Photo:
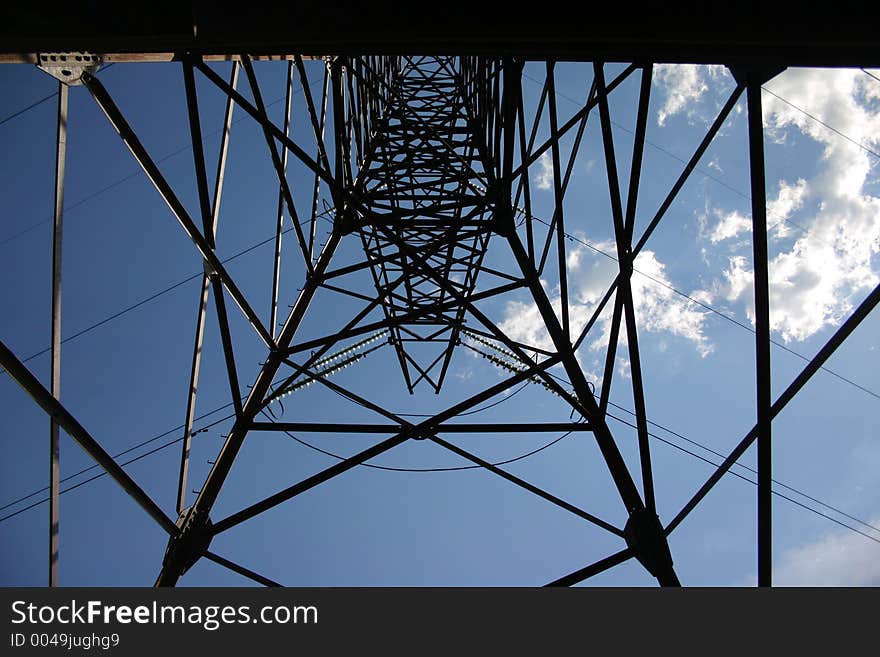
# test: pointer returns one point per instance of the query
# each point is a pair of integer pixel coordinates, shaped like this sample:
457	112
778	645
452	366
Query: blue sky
126	379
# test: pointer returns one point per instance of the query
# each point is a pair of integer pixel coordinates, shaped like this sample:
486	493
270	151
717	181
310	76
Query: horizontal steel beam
147	57
685	32
458	427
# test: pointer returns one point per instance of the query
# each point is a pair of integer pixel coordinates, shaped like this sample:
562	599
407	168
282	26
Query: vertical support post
319	137
54	452
279	227
263	118
762	326
623	230
341	167
203	305
524	179
198	515
510	105
558	192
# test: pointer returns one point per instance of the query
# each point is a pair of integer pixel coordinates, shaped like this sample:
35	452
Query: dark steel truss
426	160
421	178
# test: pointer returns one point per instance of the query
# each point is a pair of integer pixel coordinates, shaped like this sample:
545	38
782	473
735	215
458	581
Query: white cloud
839	559
658	309
682	86
543	178
739	282
730	224
788	199
702	296
815	282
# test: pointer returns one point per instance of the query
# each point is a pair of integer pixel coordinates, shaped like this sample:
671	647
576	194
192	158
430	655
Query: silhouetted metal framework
426	159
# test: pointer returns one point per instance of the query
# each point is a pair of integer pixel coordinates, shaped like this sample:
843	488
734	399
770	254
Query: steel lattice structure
426	159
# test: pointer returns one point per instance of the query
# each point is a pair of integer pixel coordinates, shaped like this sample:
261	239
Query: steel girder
426	163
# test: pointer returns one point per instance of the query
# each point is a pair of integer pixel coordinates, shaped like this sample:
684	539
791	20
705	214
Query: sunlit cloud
659	309
543	177
788	199
816	280
682	86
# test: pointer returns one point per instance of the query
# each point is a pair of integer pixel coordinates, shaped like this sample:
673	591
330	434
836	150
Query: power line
122	453
715	311
424	470
867	72
470	467
29	107
652	435
708	175
683	294
206	427
134	174
724	456
746	467
755	483
570	237
128	462
474	411
751	469
546	446
821	122
650	143
460	468
40	102
158	294
700	170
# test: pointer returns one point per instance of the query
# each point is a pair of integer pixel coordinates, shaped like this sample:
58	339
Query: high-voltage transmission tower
422	156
